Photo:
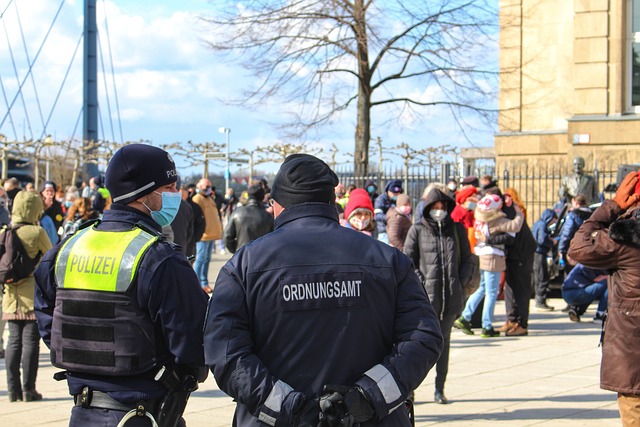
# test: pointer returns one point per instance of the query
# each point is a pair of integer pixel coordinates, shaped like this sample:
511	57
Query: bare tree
197	153
100	152
279	151
10	150
411	157
324	56
256	157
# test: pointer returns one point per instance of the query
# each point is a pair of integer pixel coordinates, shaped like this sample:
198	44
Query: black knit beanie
136	170
303	178
256	192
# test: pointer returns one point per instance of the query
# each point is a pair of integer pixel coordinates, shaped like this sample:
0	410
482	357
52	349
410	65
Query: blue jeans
585	296
489	284
203	257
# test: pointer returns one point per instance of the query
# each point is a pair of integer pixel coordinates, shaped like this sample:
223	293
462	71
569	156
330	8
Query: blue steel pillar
90	88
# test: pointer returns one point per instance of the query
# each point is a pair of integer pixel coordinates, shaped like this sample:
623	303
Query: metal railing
537	186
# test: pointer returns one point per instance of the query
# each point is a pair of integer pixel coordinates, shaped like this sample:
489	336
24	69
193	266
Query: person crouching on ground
582	286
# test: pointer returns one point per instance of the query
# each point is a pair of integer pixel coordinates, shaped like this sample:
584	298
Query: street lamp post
227	172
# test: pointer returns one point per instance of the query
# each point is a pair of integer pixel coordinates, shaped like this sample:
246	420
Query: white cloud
169	85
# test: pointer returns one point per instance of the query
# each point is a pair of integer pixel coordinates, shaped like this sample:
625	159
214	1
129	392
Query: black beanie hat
303	178
256	192
136	170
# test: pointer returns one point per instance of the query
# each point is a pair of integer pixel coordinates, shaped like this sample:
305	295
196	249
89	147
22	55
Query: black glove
297	410
334	412
309	414
348	403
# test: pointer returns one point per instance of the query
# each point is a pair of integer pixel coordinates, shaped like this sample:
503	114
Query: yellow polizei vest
101	260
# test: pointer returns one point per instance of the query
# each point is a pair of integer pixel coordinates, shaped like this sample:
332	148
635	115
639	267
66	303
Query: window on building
633	55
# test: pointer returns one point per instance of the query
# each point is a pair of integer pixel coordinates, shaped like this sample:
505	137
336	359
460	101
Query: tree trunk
363	125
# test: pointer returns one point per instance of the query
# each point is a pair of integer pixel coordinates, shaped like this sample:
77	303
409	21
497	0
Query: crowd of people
466	245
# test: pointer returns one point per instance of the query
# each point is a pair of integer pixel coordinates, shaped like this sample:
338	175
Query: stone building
570	83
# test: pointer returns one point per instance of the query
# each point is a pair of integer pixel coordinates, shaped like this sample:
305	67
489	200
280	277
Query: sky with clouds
170	86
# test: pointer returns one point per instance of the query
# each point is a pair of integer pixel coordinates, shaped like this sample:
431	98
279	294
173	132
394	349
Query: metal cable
75	128
33	80
5	9
113	76
106	88
6	101
4	93
101	124
31	65
15	72
55	102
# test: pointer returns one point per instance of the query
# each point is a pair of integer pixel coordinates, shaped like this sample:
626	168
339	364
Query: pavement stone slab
549	378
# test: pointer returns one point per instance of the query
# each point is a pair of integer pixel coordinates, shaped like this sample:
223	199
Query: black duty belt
97	399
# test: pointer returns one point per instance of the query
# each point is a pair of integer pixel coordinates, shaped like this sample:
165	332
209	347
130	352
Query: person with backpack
23	346
439	248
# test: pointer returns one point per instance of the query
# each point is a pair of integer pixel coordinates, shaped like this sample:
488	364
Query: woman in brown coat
610	239
399	221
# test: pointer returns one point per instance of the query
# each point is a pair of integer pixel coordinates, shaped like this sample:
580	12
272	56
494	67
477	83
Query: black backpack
15	264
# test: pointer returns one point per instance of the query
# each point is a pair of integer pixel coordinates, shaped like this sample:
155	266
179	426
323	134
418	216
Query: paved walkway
549	378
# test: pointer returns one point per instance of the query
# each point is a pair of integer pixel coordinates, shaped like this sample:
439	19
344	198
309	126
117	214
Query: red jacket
462	215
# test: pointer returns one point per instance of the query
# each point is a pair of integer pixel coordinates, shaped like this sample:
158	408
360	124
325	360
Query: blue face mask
371	189
169	210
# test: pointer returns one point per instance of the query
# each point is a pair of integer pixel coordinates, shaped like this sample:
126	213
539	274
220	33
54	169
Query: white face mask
437	214
358	223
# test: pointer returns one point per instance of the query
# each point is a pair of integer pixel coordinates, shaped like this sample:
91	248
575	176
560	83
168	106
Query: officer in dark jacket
248	222
313	304
440	249
122	310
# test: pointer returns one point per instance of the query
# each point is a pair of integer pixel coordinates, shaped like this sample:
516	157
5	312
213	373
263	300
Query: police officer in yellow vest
120	308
